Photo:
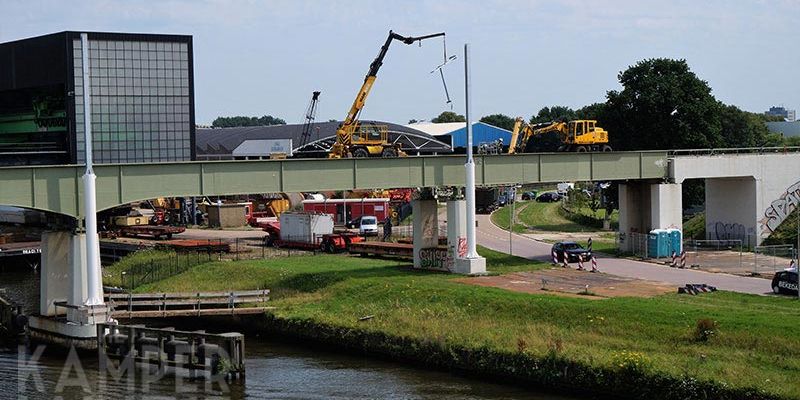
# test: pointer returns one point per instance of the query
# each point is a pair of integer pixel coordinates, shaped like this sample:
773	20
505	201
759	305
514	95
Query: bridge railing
735	150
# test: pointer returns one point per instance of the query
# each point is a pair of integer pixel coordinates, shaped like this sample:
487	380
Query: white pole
472	251
511	224
94	295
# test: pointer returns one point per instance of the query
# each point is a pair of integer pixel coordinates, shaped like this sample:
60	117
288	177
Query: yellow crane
580	135
356	140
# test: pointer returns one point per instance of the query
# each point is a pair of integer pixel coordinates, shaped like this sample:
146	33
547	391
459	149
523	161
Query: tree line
662	105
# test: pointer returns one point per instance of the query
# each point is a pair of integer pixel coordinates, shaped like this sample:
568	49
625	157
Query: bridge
747	195
59	189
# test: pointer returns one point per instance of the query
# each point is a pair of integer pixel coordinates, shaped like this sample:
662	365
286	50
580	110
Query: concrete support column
646	206
666	206
56	283
426	234
732	210
456	229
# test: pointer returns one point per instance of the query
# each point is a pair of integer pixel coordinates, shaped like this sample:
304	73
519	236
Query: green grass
757	343
502	217
546	217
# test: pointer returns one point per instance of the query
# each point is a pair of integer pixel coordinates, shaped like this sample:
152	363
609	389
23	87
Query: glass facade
141	100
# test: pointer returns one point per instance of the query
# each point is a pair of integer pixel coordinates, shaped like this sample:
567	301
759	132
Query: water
274	370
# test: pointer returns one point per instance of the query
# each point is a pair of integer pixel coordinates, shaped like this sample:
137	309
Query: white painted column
456	229
666	206
93	271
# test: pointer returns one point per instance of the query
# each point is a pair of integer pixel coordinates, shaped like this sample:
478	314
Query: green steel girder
59	188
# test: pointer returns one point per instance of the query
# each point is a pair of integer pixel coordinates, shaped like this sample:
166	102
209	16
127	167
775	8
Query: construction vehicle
356	140
311	114
580	135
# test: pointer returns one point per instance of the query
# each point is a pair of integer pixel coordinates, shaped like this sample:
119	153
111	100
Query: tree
745	129
228	122
499	120
448	116
663	105
554	113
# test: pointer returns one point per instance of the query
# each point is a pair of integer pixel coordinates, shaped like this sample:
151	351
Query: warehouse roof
219	143
455	133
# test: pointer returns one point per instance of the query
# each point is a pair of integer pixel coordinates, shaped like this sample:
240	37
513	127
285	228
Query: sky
266	57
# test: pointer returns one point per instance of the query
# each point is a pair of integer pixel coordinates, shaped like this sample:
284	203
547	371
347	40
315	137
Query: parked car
548	197
573	250
529	195
785	282
502	200
366	224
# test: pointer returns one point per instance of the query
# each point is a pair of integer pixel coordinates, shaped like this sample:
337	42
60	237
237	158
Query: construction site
537	255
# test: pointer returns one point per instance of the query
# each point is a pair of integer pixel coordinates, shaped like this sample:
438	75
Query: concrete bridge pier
644	206
428	253
732	210
64	318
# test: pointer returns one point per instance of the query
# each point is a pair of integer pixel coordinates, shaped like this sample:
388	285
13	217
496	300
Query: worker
387	229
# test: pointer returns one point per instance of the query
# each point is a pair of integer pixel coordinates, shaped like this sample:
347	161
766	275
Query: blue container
658	243
675	240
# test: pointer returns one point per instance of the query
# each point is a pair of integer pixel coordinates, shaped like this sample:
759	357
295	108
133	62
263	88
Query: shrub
705	330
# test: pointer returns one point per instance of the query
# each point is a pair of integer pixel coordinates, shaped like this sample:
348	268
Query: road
492	237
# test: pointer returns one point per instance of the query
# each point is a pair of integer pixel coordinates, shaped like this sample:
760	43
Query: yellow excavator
356	140
580	135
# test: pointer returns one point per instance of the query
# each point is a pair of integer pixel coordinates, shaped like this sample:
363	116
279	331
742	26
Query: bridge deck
59	188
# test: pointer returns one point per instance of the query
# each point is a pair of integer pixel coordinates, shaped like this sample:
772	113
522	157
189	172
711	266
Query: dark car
548	197
573	251
529	196
785	282
502	200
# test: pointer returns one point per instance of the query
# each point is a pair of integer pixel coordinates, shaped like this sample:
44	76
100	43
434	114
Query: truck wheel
360	153
330	248
389	152
776	289
580	149
607	148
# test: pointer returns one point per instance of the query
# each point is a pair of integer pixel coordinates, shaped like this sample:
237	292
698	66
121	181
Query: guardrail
734	150
155	305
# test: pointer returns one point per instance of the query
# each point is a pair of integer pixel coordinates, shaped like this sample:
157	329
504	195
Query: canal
275	370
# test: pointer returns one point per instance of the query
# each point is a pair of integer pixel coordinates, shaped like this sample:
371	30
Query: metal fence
771	259
717	255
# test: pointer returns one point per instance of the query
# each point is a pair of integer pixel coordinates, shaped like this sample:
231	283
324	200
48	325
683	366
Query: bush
705	330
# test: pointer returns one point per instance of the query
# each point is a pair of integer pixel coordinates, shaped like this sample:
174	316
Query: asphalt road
492	237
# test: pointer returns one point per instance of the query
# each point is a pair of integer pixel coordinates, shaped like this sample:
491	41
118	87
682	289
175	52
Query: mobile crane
355	140
580	135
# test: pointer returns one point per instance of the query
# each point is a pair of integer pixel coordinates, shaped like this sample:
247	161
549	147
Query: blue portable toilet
675	240
658	243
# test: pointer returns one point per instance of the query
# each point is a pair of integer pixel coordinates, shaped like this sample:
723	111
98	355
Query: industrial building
142	91
257	142
455	133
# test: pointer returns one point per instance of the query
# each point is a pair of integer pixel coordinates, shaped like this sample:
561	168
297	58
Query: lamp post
472	251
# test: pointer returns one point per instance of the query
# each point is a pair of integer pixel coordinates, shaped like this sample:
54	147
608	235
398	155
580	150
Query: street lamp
512	198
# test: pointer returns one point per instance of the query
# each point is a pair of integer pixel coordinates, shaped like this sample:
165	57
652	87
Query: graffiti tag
777	212
435	258
733	231
462	247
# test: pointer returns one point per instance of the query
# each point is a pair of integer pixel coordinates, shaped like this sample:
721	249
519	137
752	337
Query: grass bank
623	346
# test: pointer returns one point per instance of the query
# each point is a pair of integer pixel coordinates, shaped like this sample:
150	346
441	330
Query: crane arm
361	98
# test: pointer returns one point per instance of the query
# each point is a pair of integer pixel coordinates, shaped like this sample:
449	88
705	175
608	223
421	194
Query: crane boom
344	135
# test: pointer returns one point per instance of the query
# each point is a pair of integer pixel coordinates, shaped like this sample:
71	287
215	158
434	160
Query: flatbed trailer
404	250
155	231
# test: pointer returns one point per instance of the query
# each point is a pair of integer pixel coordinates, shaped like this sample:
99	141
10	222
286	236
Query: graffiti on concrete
435	258
777	212
732	231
